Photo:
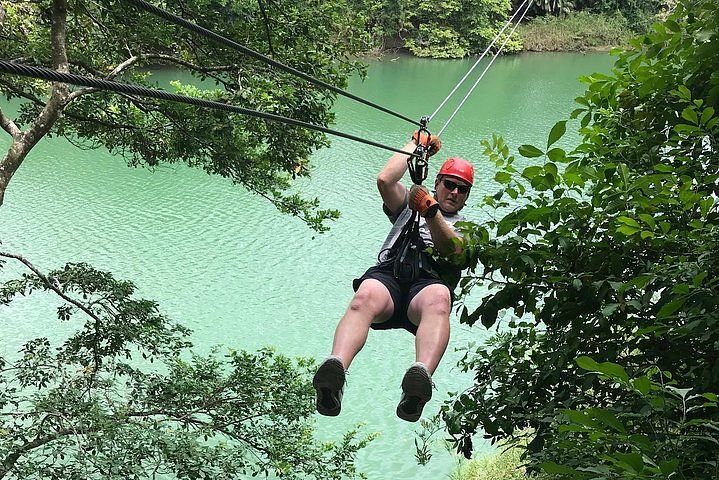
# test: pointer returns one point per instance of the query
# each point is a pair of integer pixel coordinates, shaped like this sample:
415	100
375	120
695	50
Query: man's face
451	193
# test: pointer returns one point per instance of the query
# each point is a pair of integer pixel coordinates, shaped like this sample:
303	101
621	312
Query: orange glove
420	200
432	141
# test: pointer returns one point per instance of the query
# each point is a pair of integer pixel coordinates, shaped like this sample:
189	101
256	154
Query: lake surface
228	265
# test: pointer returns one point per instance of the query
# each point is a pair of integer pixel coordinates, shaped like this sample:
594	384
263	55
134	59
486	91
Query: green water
226	264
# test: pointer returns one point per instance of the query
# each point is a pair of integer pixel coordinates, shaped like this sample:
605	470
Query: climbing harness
407	252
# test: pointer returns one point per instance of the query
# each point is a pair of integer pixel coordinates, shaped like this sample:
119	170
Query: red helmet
458	167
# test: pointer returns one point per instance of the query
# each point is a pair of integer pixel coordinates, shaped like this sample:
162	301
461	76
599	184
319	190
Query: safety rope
247	51
494	57
43	73
481	57
485	71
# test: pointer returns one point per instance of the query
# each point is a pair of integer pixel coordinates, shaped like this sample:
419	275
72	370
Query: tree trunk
23	142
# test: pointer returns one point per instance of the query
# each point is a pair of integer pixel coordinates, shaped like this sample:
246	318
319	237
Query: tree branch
9	126
9	461
54	286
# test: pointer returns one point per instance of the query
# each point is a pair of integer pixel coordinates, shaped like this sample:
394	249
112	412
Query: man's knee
371	296
434	299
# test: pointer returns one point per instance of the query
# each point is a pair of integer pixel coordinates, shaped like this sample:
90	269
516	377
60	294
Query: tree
606	272
109	39
121	398
455	29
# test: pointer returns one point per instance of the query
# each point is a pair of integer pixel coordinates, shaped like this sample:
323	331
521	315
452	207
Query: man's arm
389	180
443	235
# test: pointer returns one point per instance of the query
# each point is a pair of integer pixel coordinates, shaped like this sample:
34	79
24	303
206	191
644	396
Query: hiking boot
416	392
329	382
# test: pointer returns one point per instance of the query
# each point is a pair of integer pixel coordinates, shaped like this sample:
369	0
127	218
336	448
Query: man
420	303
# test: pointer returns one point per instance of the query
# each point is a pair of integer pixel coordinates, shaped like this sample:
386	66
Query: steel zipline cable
43	73
247	51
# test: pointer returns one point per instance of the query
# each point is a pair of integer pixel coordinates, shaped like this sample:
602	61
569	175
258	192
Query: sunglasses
450	185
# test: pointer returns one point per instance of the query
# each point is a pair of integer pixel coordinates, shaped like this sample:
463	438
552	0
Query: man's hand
431	142
420	200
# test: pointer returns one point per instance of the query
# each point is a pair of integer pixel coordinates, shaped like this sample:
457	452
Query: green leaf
690	114
648	219
582	417
530	151
627	230
608	418
668	467
586	119
642	384
660	167
556	133
684	93
587	363
646	234
608	310
706	115
672	26
628	221
531	172
699	278
641	281
551	467
669	309
557	155
609	369
502	177
633	460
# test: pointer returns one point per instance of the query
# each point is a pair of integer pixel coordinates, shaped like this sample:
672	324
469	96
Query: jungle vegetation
602	283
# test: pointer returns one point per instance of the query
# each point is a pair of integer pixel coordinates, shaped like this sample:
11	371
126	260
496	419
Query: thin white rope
481	57
485	71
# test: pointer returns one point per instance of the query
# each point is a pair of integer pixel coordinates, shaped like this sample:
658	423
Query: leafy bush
662	433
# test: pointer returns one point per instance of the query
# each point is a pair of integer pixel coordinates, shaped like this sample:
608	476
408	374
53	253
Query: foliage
118	399
639	13
385	20
611	253
642	442
110	40
575	31
552	7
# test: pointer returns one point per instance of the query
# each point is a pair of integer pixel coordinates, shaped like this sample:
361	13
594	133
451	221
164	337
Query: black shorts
402	294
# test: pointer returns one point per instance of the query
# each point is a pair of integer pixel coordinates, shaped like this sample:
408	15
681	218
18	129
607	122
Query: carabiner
418	164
